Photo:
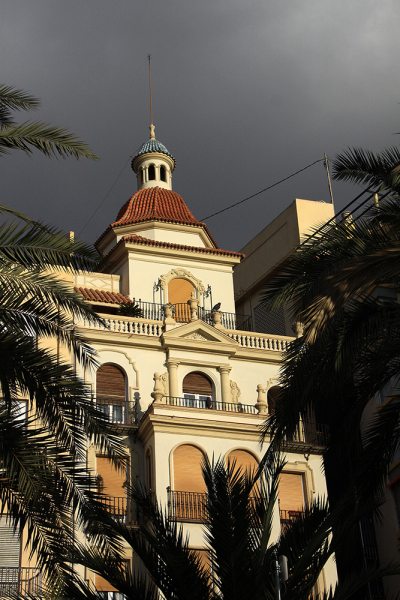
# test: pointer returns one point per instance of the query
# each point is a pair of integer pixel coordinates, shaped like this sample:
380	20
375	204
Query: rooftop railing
20	580
211	405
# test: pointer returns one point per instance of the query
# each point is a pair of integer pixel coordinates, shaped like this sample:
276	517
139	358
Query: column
225	384
172	365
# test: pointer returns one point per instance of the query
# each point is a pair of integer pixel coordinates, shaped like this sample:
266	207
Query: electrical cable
308	238
106	196
264	190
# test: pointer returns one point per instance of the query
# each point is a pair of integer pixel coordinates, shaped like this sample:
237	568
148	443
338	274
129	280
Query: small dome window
152	173
141	176
163	175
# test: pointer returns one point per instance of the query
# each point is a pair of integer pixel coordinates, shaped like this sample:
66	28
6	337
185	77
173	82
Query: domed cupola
153	164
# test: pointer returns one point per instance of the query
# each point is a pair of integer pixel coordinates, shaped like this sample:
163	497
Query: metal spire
152	128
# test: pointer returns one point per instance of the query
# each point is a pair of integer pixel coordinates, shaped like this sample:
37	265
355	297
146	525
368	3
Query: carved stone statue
235	391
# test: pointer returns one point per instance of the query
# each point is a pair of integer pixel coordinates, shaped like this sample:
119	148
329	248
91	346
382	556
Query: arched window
163	175
188	496
179	292
152	173
110	393
243	460
272	397
197	390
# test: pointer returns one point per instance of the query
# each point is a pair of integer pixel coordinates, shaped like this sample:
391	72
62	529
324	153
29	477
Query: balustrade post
169	321
193	305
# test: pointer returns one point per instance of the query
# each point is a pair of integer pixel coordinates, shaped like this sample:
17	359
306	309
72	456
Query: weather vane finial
152	128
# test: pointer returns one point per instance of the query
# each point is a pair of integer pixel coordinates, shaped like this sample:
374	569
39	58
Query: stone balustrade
261	341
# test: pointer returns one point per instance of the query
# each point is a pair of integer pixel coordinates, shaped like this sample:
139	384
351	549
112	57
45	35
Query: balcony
187	506
121	414
122	509
288	516
20	580
309	438
210	404
182	314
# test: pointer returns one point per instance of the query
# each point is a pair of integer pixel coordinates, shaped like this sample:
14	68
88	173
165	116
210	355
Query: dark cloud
245	93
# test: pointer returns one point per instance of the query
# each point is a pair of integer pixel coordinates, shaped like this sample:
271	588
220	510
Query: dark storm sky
244	94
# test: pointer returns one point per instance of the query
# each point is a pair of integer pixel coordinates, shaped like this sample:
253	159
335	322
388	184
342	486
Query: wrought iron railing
121	508
20	580
150	310
288	516
119	413
187	506
309	433
211	405
183	314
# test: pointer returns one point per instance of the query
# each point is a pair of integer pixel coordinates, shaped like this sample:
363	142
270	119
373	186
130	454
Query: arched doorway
188	496
197	390
179	292
111	394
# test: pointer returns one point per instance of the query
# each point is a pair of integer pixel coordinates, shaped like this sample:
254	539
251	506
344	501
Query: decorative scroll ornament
196	336
181	274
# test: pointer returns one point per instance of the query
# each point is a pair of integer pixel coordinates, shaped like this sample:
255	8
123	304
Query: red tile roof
138	239
94	295
156	204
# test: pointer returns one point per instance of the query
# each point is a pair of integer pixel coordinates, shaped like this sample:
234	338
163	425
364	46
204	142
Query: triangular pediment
198	331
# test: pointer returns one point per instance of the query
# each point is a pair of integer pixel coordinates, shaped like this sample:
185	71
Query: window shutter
188	475
10	544
197	383
113	479
243	459
179	291
290	491
110	385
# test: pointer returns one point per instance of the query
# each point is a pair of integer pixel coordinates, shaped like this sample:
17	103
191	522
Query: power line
264	190
106	196
369	197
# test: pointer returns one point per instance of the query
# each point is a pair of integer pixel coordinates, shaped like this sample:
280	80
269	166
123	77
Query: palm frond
51	141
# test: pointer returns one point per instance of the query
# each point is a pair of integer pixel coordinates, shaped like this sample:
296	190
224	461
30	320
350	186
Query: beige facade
168	430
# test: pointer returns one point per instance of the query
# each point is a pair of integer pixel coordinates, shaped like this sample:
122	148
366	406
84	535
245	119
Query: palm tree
52	141
238	540
42	454
343	283
43	483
